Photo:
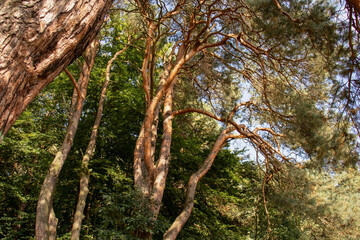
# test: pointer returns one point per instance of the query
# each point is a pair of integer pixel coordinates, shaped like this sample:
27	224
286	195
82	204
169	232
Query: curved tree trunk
38	39
44	218
85	173
180	221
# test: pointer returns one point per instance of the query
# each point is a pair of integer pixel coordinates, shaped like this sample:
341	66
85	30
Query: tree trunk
180	221
355	4
85	172
53	221
141	179
162	166
150	176
139	165
44	205
84	190
38	40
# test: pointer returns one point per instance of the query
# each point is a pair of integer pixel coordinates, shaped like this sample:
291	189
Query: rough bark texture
180	221
38	39
44	206
85	173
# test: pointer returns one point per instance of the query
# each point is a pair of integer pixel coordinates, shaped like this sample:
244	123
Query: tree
46	221
217	45
347	87
30	146
85	174
39	39
355	4
212	72
325	203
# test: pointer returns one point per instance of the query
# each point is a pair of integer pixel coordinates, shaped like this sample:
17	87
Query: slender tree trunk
85	173
84	190
180	221
38	39
162	166
44	206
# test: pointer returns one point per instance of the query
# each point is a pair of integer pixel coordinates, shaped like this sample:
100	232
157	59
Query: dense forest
189	119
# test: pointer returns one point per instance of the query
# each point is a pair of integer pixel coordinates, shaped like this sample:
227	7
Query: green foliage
324	142
124	215
324	204
26	153
313	18
224	202
229	203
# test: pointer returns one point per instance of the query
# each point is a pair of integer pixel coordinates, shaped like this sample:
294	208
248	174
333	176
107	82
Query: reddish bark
196	33
162	166
38	40
180	221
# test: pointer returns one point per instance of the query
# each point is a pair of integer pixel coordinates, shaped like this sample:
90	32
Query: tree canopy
192	119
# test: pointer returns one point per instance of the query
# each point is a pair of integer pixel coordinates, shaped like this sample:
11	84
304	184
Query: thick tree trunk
44	206
85	173
180	221
139	165
38	39
142	181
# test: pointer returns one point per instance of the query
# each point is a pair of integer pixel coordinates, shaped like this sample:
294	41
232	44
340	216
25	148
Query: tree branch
75	84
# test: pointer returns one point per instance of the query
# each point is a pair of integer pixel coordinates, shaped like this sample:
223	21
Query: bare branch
75	84
283	12
265	148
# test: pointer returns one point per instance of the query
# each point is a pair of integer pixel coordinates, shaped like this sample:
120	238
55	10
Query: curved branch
285	13
180	221
74	82
265	148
